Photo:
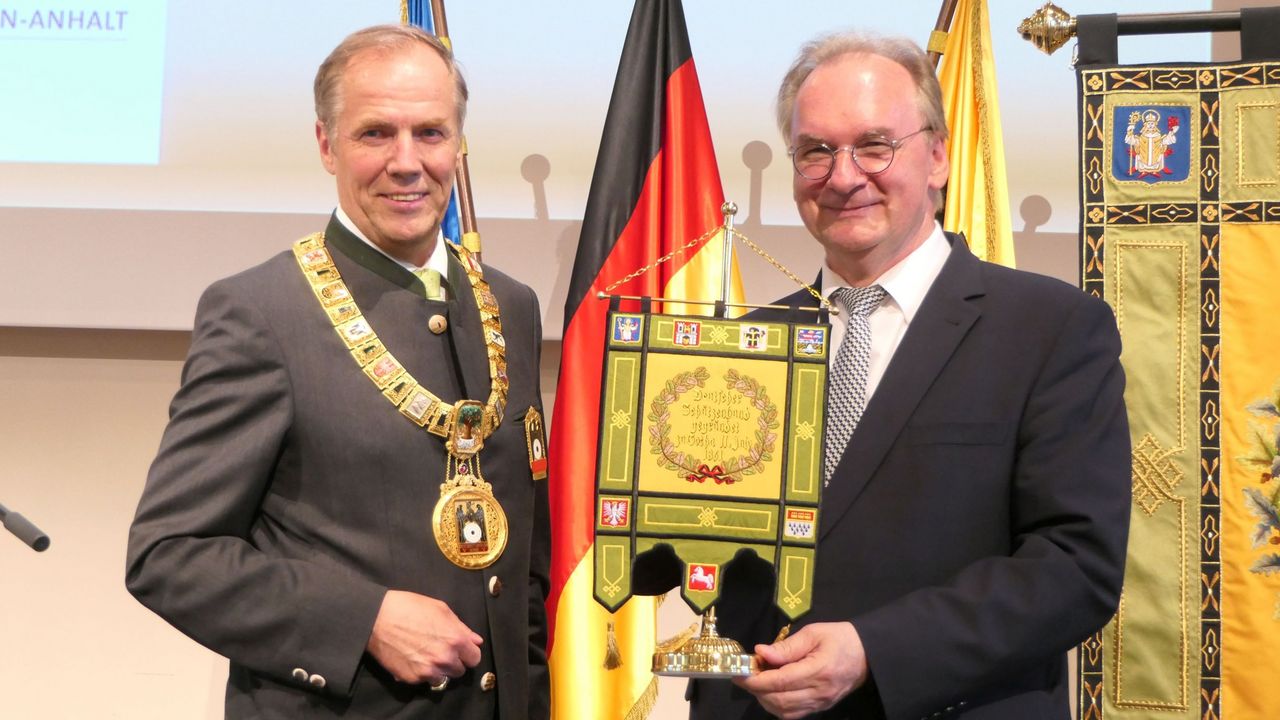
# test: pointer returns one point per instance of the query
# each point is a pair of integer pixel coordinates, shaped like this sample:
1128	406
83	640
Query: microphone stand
24	529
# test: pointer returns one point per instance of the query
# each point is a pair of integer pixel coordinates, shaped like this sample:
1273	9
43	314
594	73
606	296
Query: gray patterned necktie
847	386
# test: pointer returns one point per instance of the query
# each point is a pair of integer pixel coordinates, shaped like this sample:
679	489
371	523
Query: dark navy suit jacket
976	526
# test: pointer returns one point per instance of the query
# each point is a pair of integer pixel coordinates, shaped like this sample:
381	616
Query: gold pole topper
1048	28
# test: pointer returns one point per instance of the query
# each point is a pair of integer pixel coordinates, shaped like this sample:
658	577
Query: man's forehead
414	74
857	68
369	59
862	88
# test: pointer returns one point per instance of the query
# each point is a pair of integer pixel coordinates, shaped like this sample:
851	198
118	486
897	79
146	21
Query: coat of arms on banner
811	341
753	337
703	577
626	329
687	333
615	513
1151	143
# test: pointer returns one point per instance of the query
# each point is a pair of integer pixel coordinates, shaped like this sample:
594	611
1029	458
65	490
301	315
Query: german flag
656	188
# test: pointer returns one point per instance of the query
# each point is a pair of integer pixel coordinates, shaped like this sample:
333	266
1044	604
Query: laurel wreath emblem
693	469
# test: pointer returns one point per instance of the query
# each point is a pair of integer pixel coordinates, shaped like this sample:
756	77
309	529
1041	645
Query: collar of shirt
439	260
909	281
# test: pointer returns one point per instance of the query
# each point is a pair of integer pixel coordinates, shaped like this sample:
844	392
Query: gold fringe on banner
644	703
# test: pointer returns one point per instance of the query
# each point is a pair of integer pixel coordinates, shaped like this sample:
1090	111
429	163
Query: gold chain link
662	259
781	268
758	250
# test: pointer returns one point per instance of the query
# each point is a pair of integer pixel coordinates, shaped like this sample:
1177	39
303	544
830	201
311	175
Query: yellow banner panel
1153	283
1250	367
713	422
1251	146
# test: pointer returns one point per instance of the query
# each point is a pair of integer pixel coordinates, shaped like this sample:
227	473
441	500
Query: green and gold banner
710	444
1181	235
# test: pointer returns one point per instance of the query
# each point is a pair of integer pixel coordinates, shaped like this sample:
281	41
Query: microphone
24	529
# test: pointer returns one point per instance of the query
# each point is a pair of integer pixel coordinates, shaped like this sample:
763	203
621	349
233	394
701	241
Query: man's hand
419	639
809	671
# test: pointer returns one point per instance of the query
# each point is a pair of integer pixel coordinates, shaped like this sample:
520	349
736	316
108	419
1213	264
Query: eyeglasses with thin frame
872	155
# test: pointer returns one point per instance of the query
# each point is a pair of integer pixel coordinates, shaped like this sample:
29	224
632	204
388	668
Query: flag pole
938	38
462	178
728	209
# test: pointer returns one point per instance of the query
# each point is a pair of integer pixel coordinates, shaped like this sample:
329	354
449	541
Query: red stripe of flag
656	187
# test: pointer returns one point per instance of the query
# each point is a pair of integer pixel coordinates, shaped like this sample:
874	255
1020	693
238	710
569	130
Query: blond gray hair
900	50
379	38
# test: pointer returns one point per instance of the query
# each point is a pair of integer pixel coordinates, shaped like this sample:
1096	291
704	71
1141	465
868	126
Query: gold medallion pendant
470	526
469	523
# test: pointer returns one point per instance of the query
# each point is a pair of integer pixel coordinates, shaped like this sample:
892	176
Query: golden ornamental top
1048	28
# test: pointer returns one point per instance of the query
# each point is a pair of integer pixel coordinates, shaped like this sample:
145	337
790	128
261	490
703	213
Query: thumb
787	650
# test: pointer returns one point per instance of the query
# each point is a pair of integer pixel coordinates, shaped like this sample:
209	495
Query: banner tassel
612	655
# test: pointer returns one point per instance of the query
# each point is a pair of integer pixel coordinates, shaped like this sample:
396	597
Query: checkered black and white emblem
847	385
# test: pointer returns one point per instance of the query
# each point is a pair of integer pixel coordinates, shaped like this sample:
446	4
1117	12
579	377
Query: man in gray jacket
345	502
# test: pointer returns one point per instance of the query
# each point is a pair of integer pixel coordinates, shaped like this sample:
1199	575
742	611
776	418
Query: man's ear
326	148
940	161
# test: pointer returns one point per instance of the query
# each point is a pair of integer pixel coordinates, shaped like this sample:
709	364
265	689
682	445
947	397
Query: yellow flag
977	192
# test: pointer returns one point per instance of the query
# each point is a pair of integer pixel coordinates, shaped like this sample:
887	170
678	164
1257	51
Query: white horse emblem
702	577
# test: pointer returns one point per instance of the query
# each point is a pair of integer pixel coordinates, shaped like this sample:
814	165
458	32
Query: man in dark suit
974	523
344	502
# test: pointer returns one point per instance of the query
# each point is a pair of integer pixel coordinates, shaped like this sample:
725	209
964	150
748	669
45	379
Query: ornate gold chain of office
470	525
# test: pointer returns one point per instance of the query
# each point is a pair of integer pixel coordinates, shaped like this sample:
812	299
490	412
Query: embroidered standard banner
710	443
1180	232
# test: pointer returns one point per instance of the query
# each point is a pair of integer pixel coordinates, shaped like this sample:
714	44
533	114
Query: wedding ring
440	686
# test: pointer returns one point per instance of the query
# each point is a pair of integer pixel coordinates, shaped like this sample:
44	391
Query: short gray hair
379	38
898	49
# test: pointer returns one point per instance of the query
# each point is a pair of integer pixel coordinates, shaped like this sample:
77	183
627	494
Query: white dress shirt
905	285
439	260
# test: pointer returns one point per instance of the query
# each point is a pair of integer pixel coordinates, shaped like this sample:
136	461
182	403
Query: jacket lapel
801	298
337	235
467	333
945	317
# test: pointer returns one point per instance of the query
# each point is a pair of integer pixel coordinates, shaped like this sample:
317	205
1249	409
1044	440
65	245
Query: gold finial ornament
1048	28
728	209
706	656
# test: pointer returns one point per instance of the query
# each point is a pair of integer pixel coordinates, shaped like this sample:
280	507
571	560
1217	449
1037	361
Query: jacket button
299	674
488	681
317	681
495	586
